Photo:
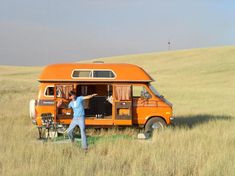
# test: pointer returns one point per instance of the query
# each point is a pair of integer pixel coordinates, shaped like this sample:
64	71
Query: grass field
199	82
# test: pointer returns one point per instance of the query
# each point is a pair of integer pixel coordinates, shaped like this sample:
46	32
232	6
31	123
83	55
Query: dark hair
72	93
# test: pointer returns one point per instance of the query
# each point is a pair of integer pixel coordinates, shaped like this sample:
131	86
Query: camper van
125	97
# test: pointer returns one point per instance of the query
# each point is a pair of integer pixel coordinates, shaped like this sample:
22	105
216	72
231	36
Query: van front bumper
172	120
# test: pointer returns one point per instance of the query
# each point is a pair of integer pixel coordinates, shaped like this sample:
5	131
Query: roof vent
98	62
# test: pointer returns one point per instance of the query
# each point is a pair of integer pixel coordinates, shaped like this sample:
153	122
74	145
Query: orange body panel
142	109
63	72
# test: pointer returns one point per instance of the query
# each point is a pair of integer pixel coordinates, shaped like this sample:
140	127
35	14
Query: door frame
56	99
126	120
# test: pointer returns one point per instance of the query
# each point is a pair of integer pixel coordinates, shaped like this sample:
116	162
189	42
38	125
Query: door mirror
145	95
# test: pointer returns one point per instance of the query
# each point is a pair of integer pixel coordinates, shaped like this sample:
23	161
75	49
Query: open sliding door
122	104
61	92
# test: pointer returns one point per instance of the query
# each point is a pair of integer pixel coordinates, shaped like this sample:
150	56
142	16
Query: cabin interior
99	107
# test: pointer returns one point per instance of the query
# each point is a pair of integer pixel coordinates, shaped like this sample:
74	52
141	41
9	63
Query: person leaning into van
78	116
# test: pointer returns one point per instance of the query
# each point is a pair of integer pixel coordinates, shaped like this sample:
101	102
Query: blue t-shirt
78	108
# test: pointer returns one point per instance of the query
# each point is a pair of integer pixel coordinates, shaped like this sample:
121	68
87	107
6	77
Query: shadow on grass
194	120
189	121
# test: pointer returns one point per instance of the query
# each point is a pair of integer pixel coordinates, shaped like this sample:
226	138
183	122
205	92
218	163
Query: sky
36	33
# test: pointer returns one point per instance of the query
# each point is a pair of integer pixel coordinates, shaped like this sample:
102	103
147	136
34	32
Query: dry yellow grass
199	82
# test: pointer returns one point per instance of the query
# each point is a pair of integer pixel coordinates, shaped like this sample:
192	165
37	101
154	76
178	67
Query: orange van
125	97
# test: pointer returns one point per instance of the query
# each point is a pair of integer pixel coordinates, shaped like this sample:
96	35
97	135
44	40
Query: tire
155	123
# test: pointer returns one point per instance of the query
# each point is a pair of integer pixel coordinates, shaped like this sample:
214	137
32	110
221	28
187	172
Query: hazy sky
39	32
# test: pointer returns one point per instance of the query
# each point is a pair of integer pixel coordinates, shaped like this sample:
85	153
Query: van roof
122	72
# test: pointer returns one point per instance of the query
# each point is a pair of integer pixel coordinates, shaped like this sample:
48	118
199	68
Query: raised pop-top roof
87	72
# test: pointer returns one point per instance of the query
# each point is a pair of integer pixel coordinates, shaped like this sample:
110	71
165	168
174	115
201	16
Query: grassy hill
199	82
196	81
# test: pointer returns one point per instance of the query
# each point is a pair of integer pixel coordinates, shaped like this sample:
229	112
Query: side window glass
137	90
103	74
140	91
81	74
49	91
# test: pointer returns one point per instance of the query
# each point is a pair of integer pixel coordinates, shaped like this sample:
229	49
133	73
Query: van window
62	91
82	73
49	91
137	91
123	92
103	74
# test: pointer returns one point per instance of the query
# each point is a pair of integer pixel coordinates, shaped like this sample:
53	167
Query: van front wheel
155	123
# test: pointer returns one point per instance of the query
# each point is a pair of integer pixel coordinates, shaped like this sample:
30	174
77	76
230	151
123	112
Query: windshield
159	95
155	91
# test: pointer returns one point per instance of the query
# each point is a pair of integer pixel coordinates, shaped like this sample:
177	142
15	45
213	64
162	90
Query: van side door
122	104
61	93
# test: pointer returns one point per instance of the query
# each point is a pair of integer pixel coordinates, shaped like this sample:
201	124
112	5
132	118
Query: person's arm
89	96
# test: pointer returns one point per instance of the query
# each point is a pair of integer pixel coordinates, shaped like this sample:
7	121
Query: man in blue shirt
78	116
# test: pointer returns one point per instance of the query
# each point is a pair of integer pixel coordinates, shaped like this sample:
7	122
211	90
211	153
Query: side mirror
145	95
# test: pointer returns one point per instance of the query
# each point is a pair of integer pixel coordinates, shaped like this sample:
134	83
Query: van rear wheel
155	123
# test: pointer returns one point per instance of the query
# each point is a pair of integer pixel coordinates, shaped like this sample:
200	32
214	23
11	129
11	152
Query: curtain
63	91
123	92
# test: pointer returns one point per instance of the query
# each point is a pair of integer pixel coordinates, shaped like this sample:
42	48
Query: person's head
72	95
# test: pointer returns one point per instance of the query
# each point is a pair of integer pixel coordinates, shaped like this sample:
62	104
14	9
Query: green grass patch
93	139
